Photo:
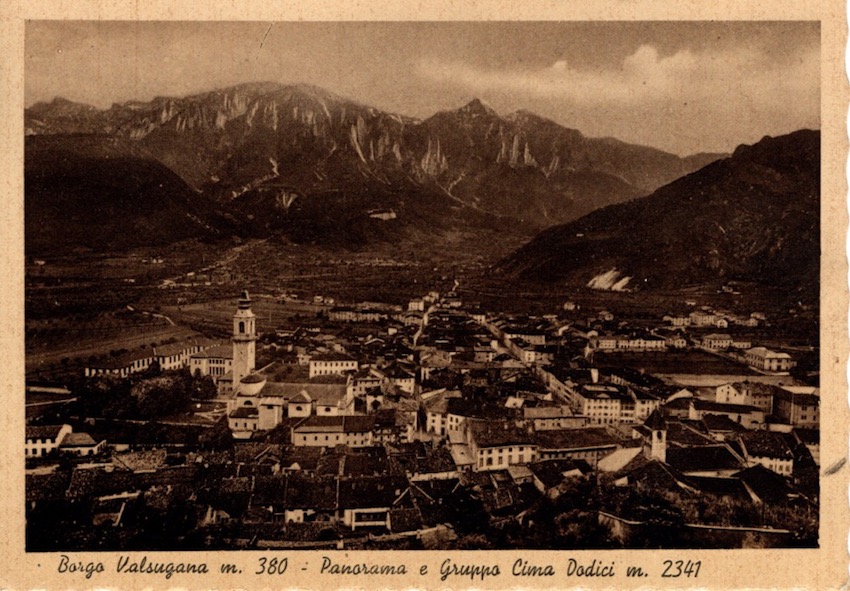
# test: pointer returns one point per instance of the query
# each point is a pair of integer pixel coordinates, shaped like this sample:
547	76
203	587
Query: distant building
545	418
605	403
213	361
644	342
741	343
707	318
81	444
361	382
677	320
748	393
332	363
382	214
717	341
478	316
395	376
532	336
767	360
43	440
121	366
748	416
673	339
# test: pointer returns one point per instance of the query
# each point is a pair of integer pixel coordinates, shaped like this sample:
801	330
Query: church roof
253	378
301	397
321	393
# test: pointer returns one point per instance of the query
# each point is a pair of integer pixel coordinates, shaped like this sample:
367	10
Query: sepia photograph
367	298
422	285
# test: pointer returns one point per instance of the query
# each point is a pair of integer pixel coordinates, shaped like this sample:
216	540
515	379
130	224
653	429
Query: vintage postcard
377	295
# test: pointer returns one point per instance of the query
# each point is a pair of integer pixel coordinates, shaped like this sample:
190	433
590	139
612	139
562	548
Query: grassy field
674	362
215	317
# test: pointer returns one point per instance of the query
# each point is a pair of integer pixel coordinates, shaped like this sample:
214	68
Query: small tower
244	340
658	436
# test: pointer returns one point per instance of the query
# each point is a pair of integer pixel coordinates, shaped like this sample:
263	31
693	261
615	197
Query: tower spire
244	339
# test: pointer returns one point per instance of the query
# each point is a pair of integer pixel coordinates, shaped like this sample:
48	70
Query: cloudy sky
681	87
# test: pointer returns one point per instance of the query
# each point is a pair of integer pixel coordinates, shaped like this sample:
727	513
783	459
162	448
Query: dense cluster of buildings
374	419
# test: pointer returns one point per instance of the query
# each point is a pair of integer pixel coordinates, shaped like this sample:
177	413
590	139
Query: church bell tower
244	340
658	436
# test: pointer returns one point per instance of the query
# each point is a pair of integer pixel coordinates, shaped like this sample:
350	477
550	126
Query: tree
153	370
580	529
217	437
163	395
102	396
204	388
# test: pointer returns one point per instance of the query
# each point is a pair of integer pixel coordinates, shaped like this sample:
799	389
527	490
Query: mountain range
754	216
304	164
265	158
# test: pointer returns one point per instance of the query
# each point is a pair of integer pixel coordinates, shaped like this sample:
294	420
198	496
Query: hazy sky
682	87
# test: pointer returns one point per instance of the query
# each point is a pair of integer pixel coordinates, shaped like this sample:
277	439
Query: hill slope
103	193
754	216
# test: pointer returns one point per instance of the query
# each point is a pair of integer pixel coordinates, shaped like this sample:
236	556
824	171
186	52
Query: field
673	362
215	317
64	345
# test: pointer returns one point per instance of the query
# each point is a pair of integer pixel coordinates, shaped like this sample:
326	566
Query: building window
241	327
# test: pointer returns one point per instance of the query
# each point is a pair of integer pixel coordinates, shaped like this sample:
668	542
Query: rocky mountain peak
476	107
247	145
60	106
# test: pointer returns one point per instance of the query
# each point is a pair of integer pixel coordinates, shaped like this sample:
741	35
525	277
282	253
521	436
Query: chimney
594	375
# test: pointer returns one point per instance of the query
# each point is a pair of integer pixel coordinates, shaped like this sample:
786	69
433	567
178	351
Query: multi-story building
545	418
214	361
717	341
767	360
589	444
332	363
497	445
769	450
798	408
329	431
43	440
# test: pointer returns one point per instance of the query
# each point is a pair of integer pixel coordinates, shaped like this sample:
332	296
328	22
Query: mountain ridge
753	216
238	145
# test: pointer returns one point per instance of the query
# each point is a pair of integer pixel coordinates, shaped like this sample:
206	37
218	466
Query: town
437	425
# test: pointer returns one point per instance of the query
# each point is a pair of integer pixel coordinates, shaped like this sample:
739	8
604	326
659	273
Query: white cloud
744	79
